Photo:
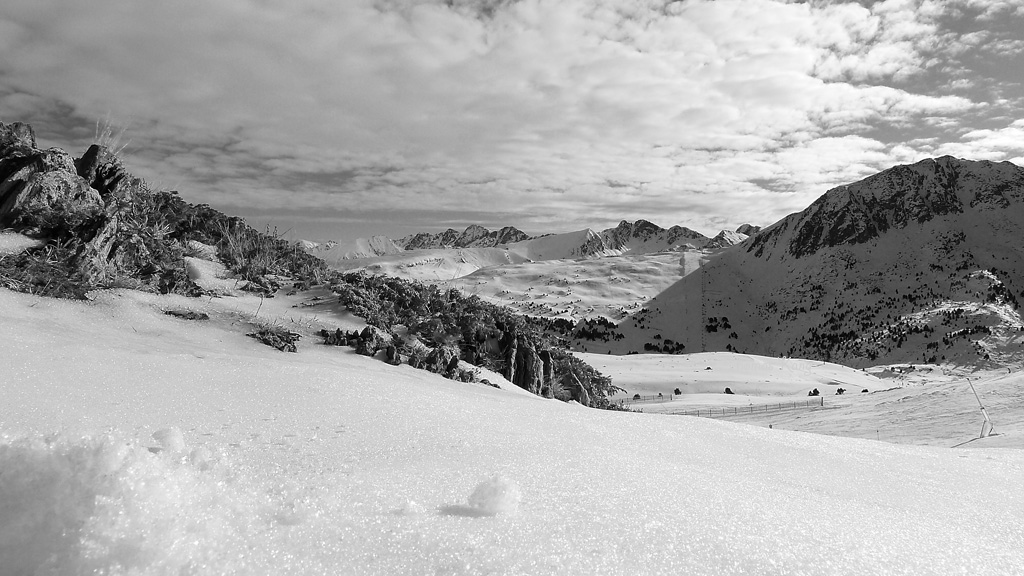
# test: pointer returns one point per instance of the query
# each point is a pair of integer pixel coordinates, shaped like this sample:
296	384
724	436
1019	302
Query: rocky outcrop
94	209
41	190
547	388
442	360
509	344
529	370
578	391
748	229
372	340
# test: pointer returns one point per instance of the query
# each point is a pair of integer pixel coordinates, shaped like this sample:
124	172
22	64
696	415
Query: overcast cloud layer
338	119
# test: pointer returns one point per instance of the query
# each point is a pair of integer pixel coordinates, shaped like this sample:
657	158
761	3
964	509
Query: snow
15	243
335	252
563	246
326	462
712	372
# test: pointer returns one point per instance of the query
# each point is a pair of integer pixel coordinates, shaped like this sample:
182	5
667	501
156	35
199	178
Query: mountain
333	251
724	239
643	236
473	236
919	263
640	237
748	229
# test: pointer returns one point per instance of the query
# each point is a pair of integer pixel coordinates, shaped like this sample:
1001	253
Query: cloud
552	113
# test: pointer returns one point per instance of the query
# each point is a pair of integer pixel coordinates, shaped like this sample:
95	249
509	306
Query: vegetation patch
276	337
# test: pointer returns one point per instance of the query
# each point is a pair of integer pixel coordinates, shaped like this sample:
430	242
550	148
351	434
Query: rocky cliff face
893	199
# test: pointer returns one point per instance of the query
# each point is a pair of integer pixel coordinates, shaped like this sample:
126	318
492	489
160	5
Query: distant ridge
639	237
473	237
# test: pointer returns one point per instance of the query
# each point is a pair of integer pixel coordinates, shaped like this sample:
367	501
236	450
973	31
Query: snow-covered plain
906	404
138	443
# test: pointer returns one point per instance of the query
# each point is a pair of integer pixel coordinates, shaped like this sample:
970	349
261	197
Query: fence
636	398
741	410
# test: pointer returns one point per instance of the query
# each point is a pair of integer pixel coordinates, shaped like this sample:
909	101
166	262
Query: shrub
276	337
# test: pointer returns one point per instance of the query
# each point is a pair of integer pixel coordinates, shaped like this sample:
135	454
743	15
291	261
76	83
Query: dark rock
391	355
188	314
441	359
336	338
40	189
16	136
528	367
101	169
371	340
548	374
508	344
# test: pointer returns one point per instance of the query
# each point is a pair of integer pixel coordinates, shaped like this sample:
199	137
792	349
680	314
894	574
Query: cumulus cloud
549	115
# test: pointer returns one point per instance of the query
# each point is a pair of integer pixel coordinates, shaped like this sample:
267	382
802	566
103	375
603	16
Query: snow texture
498	495
326	462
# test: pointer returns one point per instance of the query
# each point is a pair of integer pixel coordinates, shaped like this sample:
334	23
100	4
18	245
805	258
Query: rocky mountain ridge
474	236
919	263
636	237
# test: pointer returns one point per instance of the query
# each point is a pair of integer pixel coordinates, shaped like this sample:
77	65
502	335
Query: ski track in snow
138	443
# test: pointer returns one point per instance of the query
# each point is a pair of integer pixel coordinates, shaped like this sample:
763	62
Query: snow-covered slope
917	264
137	443
332	252
570	245
440	265
611	287
724	239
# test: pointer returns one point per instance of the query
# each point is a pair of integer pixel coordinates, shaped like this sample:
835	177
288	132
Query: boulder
440	360
371	340
16	136
100	168
40	189
336	338
579	391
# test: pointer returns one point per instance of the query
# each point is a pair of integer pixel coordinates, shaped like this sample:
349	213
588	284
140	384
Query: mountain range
640	237
920	263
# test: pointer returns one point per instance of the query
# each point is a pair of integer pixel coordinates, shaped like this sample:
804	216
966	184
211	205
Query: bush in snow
276	337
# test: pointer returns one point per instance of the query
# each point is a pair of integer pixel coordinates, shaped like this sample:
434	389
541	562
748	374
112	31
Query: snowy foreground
132	442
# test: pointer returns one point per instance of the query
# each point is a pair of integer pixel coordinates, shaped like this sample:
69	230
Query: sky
338	119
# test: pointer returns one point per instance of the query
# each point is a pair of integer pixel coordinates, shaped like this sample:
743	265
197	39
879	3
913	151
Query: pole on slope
986	427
